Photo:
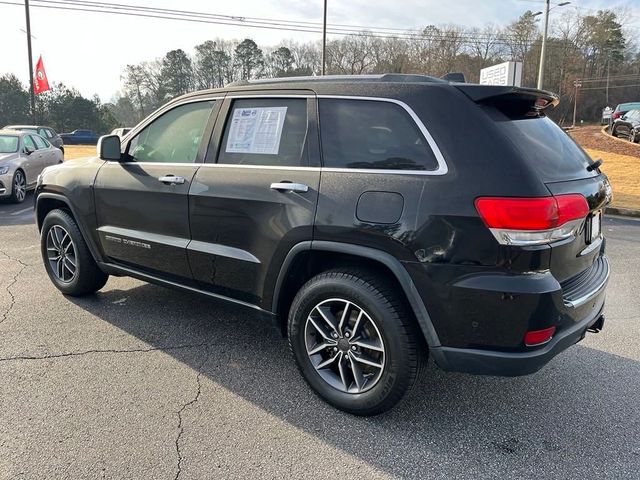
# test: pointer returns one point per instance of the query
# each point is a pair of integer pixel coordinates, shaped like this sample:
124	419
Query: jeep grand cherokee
373	218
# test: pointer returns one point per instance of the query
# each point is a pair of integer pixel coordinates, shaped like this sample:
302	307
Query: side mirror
28	151
109	148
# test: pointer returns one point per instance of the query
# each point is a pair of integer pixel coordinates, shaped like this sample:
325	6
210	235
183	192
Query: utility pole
543	50
577	84
608	70
324	38
31	92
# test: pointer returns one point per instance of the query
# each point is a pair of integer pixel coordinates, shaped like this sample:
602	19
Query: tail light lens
616	115
532	221
538	337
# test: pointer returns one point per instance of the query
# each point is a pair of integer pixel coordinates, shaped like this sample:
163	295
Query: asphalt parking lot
147	383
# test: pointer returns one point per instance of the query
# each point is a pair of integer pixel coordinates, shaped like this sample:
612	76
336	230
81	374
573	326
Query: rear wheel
66	256
354	340
18	187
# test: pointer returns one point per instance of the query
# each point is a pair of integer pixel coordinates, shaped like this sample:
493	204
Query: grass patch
79	151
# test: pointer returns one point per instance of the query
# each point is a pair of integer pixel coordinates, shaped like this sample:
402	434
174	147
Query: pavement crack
112	351
13	281
184	407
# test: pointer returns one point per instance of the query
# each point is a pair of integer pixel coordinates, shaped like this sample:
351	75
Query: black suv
373	218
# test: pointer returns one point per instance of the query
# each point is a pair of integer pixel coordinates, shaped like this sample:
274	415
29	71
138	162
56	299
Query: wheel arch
46	202
301	263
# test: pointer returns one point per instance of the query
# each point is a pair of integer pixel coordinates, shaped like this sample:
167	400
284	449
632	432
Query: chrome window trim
442	164
159	112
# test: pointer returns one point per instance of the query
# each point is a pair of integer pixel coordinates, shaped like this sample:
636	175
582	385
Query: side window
49	133
174	137
28	143
268	131
368	134
40	142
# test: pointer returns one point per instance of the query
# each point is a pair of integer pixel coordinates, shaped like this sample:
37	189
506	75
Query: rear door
48	155
142	202
255	197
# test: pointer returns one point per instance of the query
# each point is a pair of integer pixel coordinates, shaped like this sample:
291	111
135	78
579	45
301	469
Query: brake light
532	221
616	115
538	337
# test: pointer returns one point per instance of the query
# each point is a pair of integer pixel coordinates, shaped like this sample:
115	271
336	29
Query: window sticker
256	130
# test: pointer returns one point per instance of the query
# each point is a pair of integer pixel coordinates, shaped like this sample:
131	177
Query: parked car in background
627	126
121	132
23	156
45	132
348	211
623	108
80	137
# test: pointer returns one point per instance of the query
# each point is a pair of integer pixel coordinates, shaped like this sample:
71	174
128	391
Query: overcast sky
89	50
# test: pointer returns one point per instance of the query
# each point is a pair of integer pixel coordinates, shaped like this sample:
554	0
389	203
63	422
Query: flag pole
31	92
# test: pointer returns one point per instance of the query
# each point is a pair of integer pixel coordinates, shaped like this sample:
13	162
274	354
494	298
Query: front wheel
67	258
18	187
354	340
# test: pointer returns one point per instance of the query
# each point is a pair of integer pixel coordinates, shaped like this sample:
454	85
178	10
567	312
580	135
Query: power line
614	86
147	12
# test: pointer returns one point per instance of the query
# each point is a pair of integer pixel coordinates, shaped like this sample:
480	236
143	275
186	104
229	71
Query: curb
625	212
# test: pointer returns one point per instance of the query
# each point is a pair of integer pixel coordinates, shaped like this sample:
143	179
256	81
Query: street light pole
324	38
31	91
543	50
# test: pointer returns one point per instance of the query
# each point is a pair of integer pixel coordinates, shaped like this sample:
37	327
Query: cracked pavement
143	382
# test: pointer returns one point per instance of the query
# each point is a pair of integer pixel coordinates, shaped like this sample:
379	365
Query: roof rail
387	77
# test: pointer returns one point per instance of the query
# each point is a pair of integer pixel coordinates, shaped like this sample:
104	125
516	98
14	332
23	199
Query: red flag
40	84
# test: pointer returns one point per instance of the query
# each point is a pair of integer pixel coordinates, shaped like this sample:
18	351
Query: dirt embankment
593	138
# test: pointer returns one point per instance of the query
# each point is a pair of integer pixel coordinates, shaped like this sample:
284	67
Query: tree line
591	47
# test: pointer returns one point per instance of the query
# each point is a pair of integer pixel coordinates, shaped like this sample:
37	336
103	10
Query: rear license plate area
594	226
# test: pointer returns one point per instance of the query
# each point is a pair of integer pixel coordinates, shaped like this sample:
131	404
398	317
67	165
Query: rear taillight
538	337
532	221
616	115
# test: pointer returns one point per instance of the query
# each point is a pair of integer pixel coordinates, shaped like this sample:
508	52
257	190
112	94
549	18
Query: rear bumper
485	362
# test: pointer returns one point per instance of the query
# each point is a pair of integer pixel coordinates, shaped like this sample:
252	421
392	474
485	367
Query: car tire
67	258
385	322
18	187
633	136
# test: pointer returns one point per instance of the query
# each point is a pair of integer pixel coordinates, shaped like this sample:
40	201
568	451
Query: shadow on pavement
17	213
581	410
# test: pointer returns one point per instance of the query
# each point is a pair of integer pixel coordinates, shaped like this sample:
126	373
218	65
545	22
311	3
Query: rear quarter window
371	134
540	142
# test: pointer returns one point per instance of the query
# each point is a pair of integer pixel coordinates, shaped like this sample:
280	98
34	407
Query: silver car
23	155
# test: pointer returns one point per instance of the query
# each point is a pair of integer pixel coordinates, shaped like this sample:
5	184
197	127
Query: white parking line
20	212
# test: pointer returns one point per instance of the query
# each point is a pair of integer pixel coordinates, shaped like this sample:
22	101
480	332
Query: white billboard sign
507	73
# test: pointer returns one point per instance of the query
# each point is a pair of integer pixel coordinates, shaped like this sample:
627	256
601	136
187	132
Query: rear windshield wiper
595	165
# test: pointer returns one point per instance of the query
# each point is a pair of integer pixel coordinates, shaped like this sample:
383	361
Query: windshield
8	144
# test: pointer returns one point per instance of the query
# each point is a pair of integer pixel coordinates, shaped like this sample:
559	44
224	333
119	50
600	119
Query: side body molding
401	274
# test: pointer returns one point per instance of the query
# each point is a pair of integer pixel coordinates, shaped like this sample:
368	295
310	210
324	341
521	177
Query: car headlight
4	169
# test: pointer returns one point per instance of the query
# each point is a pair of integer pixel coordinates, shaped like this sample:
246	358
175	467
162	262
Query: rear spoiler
511	100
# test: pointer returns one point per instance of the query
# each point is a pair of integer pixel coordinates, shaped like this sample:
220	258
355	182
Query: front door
255	197
142	202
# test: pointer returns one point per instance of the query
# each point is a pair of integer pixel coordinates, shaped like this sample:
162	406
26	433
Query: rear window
368	134
547	148
623	107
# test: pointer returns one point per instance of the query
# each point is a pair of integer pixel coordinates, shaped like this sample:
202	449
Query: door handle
172	180
290	187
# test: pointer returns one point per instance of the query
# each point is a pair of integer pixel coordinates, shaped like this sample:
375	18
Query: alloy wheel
344	345
19	186
61	254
